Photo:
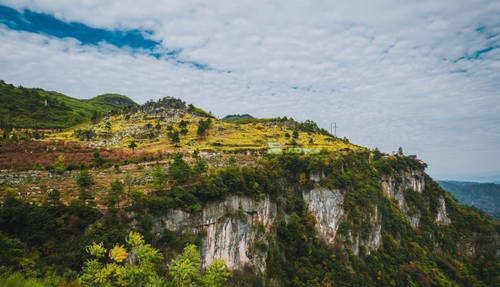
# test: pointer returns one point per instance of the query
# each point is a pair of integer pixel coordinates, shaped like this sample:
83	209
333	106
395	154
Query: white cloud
385	71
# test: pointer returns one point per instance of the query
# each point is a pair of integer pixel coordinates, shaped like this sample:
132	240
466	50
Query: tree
179	169
174	137
159	178
295	135
129	181
136	266
114	195
132	145
183	127
184	271
84	180
97	159
203	126
216	274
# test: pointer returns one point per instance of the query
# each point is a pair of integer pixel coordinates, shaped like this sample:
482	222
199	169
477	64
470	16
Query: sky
423	75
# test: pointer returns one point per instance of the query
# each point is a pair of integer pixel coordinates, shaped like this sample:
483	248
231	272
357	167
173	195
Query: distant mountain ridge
485	196
22	107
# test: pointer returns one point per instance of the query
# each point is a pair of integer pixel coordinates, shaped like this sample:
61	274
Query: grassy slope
26	108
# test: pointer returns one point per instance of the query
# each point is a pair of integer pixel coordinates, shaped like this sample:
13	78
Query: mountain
36	108
166	193
485	196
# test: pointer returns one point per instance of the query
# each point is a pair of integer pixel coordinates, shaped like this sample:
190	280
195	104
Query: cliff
237	228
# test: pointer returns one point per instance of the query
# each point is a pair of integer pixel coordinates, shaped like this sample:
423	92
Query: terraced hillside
171	125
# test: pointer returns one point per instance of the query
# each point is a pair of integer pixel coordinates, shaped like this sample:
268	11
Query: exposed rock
231	228
326	206
395	186
368	242
442	214
232	237
238	228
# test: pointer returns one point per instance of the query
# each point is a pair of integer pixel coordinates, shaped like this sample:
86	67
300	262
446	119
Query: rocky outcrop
442	214
370	241
396	186
326	206
231	226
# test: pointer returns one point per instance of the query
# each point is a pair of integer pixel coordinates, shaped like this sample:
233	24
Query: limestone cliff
231	228
237	228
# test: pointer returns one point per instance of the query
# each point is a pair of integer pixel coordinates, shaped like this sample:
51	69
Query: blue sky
424	75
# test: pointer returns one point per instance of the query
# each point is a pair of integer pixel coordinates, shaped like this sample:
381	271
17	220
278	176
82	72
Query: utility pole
333	129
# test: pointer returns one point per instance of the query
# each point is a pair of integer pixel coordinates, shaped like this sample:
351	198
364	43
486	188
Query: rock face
395	187
326	206
371	241
232	227
239	228
442	214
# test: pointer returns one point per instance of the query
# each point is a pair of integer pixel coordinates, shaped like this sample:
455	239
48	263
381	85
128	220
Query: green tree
136	266
203	126
216	274
184	271
174	137
159	178
179	170
295	135
129	181
97	159
183	127
132	145
158	126
115	194
84	180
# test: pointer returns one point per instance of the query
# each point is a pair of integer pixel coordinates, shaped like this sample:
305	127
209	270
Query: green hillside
36	108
